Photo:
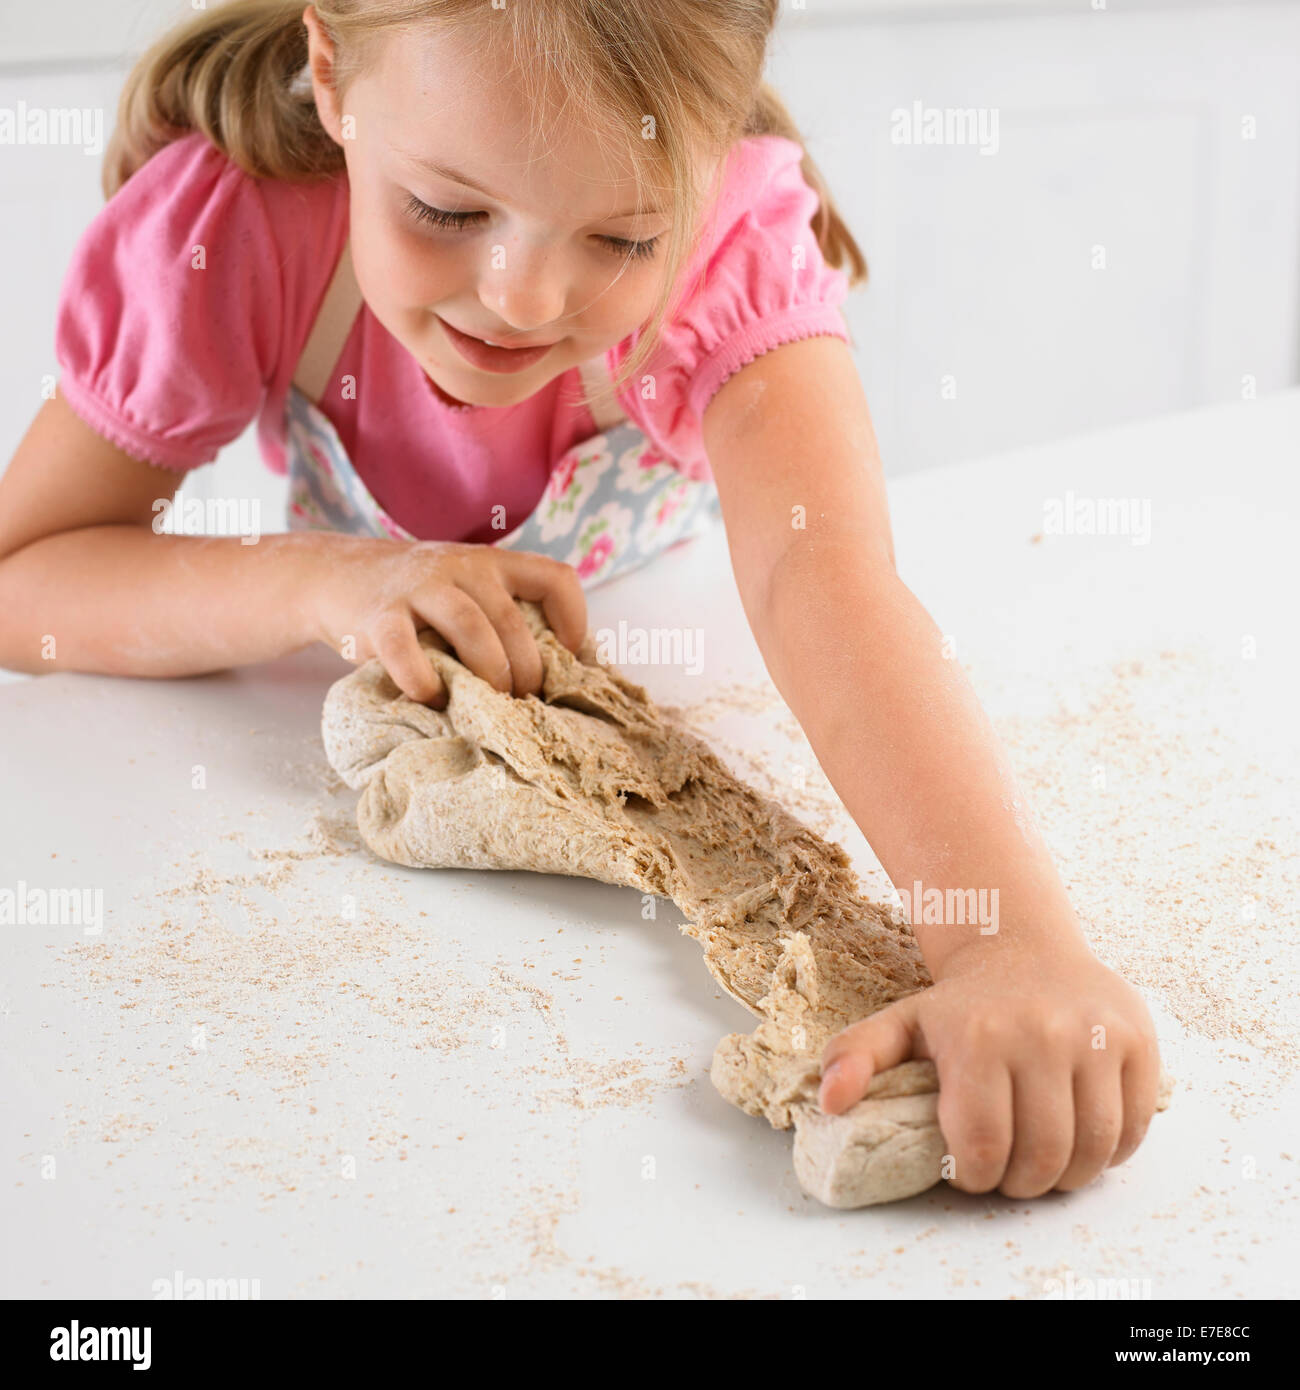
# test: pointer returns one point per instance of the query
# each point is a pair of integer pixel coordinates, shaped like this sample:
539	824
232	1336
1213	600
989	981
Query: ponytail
230	73
771	117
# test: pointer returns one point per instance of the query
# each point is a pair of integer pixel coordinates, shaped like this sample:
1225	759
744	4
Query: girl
440	248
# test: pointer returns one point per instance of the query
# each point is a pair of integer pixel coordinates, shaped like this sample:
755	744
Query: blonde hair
689	72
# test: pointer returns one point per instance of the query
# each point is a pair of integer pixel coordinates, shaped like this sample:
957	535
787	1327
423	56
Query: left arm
1027	1102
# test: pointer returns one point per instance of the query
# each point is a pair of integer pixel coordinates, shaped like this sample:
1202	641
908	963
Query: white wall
1122	129
985	325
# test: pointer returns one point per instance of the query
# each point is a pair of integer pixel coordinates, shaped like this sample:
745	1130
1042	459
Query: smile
492	357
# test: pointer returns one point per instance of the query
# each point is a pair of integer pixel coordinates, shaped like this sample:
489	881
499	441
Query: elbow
809	569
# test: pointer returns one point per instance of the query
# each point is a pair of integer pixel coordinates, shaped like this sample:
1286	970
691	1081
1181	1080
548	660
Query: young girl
407	236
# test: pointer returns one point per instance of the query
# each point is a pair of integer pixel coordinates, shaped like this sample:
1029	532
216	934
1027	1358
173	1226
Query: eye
633	250
438	217
456	221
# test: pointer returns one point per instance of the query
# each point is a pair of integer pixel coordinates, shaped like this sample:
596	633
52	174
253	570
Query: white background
1119	128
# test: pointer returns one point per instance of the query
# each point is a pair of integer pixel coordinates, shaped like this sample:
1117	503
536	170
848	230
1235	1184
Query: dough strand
592	780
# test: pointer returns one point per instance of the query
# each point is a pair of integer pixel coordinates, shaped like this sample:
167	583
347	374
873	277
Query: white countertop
344	1079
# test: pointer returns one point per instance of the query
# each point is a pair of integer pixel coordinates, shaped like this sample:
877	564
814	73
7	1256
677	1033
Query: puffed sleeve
758	280
169	319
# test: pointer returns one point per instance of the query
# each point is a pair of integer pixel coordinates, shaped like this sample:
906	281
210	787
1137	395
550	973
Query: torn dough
592	780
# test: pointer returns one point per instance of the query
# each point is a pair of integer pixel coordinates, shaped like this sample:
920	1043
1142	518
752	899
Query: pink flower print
641	468
389	525
307	513
672	501
601	549
563	474
320	461
601	539
573	480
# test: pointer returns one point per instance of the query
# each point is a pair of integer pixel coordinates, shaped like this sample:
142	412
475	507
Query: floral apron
611	504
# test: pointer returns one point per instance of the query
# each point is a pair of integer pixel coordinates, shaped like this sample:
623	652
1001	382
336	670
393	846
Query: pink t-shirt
171	362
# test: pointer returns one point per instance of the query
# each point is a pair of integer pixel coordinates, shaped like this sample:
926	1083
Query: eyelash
457	221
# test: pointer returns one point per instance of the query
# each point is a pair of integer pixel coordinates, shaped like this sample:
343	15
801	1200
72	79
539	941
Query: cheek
629	300
396	265
418	274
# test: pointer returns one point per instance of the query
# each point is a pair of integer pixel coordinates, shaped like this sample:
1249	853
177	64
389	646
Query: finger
398	648
458	617
975	1118
1139	1084
516	638
1098	1120
1043	1128
555	586
854	1056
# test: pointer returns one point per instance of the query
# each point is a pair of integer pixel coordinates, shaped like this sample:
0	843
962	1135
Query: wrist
1059	940
1028	911
307	562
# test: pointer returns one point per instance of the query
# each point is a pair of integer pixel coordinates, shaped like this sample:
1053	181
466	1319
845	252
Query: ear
320	60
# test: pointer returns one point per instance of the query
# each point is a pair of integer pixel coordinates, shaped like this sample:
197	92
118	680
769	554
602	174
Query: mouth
492	356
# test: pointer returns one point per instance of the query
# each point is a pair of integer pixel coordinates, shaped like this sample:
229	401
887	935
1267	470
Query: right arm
87	585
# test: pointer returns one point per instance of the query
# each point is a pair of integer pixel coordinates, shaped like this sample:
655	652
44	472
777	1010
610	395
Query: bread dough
592	780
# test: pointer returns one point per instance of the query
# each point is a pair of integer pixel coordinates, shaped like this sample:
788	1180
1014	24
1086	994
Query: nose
524	286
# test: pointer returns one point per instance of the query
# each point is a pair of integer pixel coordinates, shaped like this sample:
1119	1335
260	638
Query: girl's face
458	236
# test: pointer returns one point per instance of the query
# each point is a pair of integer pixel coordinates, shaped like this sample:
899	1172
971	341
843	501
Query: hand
1047	1062
379	593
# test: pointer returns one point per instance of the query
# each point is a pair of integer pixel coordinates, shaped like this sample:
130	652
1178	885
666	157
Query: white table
339	1078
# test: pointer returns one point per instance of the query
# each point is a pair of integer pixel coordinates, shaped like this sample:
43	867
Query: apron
611	504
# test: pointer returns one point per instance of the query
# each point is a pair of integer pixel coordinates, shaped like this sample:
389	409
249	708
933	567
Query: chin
479	392
488	389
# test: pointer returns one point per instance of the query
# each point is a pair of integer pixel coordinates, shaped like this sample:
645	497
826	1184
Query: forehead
448	97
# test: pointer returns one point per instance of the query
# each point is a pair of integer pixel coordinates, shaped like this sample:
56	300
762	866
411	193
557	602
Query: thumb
857	1054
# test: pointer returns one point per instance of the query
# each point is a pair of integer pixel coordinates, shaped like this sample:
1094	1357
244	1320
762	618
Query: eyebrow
447	172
